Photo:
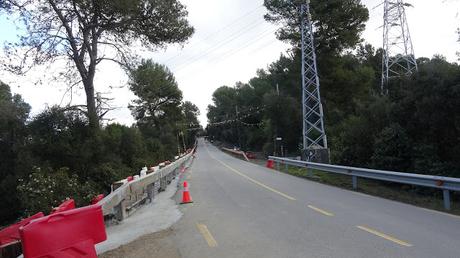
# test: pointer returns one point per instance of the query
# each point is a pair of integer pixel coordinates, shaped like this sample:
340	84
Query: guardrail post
176	171
120	211
151	192
446	197
355	182
169	178
277	165
286	166
162	183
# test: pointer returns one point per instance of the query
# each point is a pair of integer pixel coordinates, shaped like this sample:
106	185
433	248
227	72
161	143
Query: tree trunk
91	104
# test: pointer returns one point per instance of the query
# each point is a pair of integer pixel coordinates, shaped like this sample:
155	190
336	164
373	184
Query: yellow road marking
251	179
206	234
257	182
320	211
385	236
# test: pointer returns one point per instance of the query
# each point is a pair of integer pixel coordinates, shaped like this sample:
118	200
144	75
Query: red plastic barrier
65	206
130	178
71	233
250	155
11	234
270	164
97	198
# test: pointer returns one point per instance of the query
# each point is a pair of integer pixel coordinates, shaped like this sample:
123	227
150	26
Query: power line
210	35
256	40
220	44
262	46
238	119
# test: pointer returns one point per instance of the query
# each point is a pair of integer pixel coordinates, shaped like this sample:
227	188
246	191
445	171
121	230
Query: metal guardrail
121	200
446	184
236	152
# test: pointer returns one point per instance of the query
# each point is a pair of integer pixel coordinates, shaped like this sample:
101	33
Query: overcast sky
231	42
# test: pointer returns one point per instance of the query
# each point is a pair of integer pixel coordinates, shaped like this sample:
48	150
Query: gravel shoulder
150	223
159	244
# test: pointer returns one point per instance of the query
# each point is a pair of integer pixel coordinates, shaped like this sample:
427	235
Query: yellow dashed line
253	180
212	242
320	211
385	236
206	234
257	182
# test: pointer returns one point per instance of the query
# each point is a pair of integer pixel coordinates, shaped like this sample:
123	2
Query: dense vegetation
65	151
56	154
415	127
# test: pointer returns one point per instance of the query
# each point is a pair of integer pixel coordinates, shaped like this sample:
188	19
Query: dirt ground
158	244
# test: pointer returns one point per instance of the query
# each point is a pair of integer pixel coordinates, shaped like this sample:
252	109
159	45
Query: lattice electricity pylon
314	135
398	53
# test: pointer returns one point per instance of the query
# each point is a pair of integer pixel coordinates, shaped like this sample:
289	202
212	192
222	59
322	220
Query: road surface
244	210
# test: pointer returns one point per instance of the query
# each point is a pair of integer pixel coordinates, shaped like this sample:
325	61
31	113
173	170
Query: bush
47	188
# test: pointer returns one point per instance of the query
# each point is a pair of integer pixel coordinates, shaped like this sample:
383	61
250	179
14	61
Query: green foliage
157	91
14	155
161	116
191	113
392	149
353	142
338	23
190	125
57	154
45	188
153	22
347	80
415	128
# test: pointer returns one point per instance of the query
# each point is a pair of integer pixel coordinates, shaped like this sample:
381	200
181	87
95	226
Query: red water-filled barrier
70	233
97	198
251	155
11	234
270	164
65	206
130	178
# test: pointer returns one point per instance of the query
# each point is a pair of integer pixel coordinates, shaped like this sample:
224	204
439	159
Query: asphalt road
244	210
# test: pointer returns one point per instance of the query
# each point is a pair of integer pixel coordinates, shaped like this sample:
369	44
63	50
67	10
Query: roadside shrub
47	188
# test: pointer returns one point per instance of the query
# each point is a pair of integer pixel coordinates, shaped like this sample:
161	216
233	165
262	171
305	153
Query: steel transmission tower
398	53
314	135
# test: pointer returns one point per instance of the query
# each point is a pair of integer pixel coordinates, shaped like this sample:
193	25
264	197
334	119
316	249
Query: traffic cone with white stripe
186	198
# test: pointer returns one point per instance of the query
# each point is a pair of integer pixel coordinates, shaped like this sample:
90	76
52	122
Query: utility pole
238	127
178	145
398	52
314	135
183	140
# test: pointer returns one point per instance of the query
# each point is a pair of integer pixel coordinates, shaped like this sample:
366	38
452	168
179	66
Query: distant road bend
244	210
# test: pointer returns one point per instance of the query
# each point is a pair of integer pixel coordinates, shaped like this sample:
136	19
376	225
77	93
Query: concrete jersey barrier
129	193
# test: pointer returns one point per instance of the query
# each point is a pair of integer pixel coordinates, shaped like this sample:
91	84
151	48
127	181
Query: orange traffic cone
186	198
